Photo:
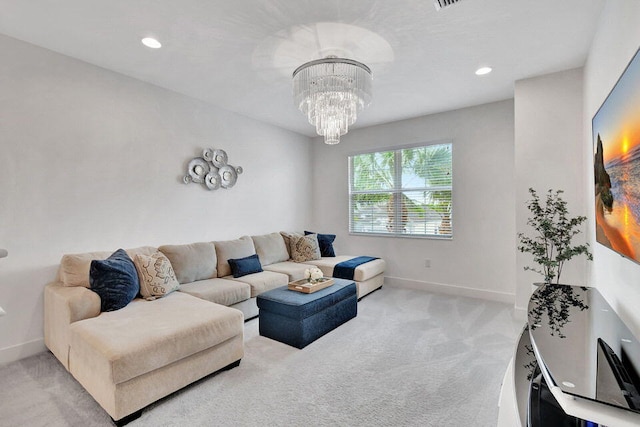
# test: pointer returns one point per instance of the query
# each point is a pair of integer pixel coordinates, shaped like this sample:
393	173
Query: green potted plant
551	243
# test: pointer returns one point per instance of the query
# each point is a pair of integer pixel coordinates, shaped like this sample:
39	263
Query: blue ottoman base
298	319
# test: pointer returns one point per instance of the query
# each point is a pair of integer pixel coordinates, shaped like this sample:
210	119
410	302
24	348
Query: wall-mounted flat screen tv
616	139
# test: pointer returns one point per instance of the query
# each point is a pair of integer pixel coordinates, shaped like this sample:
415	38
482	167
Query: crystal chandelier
330	92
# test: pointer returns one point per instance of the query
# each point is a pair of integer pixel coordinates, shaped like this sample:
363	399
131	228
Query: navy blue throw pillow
243	266
325	241
115	279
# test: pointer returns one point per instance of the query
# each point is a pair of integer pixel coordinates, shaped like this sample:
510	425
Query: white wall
480	260
615	43
93	160
549	155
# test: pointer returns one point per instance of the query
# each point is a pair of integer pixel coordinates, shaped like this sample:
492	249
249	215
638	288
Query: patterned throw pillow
288	238
305	248
156	275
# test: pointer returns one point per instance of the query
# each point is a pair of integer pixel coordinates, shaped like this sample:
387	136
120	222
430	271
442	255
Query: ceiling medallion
330	92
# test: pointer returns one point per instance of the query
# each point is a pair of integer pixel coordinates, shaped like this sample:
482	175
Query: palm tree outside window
402	192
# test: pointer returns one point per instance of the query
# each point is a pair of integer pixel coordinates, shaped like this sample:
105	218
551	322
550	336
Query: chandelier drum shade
330	92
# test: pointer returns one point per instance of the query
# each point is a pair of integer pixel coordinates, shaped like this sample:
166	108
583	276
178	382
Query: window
403	192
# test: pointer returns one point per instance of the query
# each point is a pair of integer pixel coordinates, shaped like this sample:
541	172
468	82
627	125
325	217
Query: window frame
397	189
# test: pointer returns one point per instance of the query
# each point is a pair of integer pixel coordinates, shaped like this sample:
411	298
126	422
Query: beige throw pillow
288	236
156	275
305	248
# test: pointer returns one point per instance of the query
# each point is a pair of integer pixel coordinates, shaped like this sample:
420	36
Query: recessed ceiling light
151	42
483	70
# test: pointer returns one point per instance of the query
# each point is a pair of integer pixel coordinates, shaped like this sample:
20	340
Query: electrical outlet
427	263
2	312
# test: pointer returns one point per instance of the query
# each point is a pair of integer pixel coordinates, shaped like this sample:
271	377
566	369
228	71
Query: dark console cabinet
576	363
544	410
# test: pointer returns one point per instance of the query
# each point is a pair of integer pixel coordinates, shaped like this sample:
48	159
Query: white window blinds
404	192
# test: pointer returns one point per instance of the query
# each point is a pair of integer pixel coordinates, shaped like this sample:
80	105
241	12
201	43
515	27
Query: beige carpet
410	358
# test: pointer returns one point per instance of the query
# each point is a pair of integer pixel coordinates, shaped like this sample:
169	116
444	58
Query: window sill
402	236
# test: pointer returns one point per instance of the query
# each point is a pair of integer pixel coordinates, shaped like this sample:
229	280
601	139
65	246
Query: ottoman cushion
298	305
297	319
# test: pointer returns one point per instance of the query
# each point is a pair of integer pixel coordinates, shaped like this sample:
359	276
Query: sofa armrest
64	305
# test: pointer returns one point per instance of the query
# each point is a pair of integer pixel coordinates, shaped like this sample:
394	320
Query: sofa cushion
195	261
294	270
74	268
305	248
270	248
243	266
145	336
232	249
363	272
156	275
263	281
115	280
325	241
221	291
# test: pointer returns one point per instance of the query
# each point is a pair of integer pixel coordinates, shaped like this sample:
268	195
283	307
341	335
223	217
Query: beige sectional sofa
131	357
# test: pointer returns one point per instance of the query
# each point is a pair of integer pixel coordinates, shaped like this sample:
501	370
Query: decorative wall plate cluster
212	170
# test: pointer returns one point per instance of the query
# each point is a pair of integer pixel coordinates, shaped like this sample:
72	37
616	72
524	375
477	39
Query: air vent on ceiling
441	4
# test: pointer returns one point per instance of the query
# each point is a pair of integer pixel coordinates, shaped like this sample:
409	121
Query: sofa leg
376	289
230	366
128	418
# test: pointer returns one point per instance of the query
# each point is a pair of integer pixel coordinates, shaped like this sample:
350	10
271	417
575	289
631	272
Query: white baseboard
520	313
449	289
20	351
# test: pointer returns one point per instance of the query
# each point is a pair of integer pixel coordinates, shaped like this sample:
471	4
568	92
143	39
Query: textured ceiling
240	54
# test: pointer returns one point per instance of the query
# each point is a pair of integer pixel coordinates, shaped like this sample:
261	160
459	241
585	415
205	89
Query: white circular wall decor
212	170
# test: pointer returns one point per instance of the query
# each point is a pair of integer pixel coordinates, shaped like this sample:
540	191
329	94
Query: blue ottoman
298	319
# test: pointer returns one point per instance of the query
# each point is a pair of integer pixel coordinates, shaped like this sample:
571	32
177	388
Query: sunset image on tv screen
616	137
